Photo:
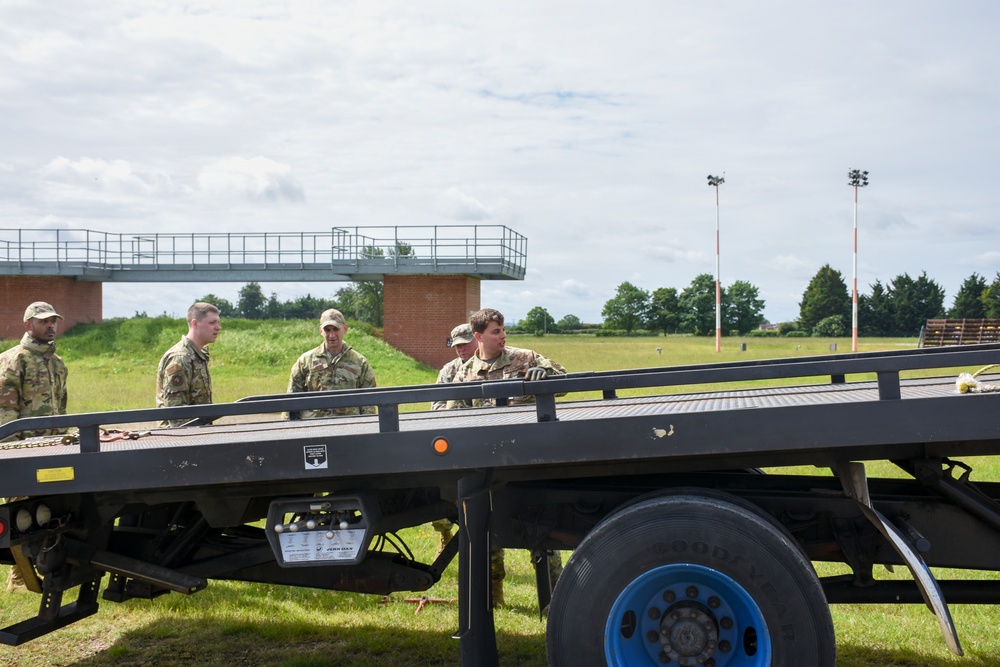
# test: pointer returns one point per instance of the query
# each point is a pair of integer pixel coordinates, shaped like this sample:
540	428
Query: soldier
332	365
464	344
32	375
32	384
183	377
493	360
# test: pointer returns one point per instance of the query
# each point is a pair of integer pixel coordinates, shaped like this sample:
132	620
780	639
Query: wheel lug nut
714	602
652	637
669	596
725	646
726	622
664	658
653	613
692	591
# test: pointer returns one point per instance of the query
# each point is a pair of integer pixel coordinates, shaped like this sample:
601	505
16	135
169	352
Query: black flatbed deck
806	424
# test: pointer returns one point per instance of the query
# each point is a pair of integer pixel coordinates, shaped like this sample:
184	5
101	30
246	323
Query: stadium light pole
857	179
716	181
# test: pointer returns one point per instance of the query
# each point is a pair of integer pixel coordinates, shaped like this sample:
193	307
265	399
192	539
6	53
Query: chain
109	435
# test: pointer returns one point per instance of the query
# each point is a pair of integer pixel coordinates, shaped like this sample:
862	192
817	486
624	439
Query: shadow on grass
177	642
851	655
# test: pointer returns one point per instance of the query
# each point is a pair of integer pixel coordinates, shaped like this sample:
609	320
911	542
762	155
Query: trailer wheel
689	580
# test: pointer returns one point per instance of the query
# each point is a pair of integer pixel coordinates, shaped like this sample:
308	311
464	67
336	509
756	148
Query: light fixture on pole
856	179
716	181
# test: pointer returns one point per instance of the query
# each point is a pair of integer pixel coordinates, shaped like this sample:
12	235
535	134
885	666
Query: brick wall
421	311
76	301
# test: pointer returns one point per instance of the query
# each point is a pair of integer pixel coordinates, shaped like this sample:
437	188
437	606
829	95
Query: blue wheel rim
686	615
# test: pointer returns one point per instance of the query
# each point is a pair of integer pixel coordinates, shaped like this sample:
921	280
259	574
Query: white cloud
459	206
257	179
411	114
574	288
116	176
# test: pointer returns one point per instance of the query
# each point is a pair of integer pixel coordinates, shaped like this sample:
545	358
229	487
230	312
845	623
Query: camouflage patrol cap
41	310
461	335
332	317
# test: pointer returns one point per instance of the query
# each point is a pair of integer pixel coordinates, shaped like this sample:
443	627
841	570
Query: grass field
112	366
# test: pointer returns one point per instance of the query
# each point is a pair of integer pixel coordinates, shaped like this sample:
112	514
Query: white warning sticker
315	457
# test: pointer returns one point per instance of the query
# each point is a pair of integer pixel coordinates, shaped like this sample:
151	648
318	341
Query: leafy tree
914	302
991	298
826	295
697	306
252	303
362	301
306	307
664	310
273	310
402	249
627	309
224	305
744	310
569	323
875	314
830	327
538	321
969	300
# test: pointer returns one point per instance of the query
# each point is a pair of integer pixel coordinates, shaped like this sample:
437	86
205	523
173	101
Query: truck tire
690	580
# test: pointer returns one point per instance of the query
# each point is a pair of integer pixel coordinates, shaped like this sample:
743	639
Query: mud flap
852	477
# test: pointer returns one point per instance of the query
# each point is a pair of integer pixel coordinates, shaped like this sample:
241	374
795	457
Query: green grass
113	365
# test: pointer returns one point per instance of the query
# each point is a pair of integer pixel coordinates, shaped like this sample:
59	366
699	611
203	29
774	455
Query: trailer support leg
476	632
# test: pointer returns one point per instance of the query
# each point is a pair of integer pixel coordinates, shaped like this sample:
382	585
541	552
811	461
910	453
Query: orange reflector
440	446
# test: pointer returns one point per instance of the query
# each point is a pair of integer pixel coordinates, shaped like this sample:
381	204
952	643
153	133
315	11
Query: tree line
358	301
897	308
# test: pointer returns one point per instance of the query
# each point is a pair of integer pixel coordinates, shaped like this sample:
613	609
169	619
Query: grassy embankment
112	366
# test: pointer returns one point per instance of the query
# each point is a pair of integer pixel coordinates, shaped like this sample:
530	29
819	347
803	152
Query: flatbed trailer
684	551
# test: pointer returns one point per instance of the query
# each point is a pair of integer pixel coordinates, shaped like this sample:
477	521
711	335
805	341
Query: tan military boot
497	587
15	582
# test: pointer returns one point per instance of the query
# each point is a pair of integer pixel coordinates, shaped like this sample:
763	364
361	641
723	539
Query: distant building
767	326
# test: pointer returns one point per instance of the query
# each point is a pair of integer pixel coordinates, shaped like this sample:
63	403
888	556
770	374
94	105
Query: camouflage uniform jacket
183	378
32	384
510	365
319	370
447	374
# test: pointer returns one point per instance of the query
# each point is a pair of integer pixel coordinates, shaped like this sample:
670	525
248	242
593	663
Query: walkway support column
420	312
77	301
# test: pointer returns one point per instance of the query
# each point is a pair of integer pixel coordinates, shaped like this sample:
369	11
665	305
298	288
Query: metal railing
493	249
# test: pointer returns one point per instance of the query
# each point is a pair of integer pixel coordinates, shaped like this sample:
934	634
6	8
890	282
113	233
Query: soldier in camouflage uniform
464	344
493	360
32	384
332	365
32	376
183	377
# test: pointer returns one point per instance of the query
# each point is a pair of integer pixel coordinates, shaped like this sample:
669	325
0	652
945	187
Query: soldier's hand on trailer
535	373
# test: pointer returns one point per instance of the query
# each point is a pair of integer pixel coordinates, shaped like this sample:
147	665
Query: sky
590	127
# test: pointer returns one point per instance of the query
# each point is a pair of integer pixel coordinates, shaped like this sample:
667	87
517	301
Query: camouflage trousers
15	581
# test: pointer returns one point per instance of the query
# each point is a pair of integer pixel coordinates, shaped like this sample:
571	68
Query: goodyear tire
689	580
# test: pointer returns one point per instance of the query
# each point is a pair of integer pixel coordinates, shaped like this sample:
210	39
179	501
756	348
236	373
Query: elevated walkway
487	252
431	274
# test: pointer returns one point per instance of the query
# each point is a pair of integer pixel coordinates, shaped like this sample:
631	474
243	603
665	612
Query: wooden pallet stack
960	332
